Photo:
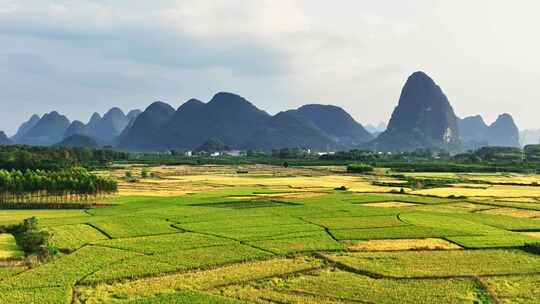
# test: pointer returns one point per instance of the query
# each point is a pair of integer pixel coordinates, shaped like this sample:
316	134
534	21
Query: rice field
208	234
8	247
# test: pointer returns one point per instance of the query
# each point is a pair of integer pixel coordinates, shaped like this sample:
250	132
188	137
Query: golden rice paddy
401	244
512	212
390	205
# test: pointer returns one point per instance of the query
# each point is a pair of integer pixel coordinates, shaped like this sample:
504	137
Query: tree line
20	157
53	187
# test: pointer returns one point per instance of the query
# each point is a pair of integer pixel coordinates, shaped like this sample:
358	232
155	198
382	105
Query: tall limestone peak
503	132
94	119
423	118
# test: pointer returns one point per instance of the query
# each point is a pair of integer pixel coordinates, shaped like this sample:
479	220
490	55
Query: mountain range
423	118
237	123
502	132
52	128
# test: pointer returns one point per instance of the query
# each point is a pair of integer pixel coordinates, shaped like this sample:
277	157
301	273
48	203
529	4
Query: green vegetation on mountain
78	141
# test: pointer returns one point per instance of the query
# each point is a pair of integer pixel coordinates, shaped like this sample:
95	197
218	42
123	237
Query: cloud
84	56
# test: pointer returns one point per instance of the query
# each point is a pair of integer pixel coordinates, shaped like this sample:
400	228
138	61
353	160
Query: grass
515	289
10	217
163	243
509	239
9	247
319	241
187	296
176	260
336	286
6	272
257	232
205	234
357	222
131	226
400	232
72	237
446	263
49	295
207	279
67	270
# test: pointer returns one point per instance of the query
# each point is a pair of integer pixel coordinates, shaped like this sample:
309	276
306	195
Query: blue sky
80	57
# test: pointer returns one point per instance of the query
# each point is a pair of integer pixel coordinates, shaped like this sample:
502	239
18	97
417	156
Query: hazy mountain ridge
4	140
233	120
502	132
423	118
25	127
49	130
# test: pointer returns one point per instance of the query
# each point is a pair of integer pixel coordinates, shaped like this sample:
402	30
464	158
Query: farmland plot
283	236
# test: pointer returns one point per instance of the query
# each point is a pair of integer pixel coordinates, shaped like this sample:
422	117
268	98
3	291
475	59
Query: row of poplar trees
40	186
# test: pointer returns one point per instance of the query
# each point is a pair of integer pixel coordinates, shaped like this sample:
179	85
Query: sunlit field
263	234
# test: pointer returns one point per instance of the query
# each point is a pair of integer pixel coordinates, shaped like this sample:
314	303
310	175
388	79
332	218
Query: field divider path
100	230
490	293
326	229
74	294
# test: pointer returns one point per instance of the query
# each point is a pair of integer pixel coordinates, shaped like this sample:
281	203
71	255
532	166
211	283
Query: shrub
31	239
359	168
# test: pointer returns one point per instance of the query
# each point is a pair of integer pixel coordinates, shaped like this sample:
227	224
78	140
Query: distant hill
503	132
423	118
228	117
108	127
4	140
473	129
25	127
337	124
376	129
145	132
237	123
289	129
49	130
78	141
76	128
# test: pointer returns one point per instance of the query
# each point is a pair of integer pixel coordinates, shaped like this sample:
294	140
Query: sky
80	57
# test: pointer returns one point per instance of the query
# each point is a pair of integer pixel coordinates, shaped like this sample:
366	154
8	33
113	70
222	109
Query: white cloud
82	56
